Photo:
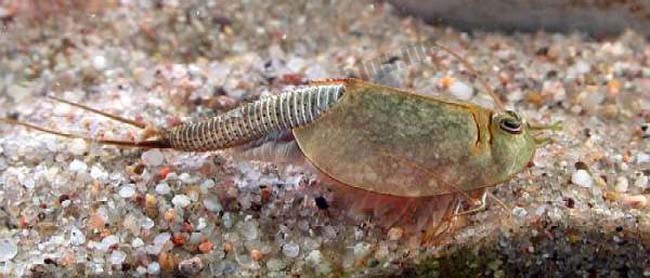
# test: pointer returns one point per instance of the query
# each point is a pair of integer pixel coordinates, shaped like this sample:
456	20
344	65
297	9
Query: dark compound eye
511	125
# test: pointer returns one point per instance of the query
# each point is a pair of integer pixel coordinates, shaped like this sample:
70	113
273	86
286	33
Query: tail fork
150	131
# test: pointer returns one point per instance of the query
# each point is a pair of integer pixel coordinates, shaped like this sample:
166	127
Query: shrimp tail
161	143
158	141
99	112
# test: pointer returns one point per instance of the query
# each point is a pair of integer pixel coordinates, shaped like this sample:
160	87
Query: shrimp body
370	137
254	120
376	138
407	158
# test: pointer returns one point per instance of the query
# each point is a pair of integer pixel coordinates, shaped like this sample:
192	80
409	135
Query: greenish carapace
395	142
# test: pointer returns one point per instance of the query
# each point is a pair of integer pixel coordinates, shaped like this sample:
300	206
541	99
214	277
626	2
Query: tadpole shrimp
407	159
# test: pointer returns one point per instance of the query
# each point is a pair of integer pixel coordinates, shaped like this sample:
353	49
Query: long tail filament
154	143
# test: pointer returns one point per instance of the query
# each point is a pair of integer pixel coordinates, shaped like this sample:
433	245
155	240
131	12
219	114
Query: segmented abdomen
254	120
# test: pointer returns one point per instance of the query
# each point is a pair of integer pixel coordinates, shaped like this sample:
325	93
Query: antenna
473	71
466	64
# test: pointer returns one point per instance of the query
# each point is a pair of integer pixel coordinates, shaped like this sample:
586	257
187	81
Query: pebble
181	201
150	205
642	158
256	255
582	178
107	242
191	266
622	184
78	166
227	220
168	261
127	191
78	146
117	257
291	250
361	250
295	64
212	204
147	223
202	223
18	92
97	173
329	232
635	201
206	247
315	259
316	72
275	264
163	188
131	223
186	178
461	91
582	67
195	238
99	62
153	268
8	249
219	72
230	267
249	230
641	181
207	184
395	233
152	158
77	237
161	239
519	212
592	100
137	242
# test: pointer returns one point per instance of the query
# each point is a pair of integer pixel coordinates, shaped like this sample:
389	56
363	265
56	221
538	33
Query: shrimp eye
510	125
